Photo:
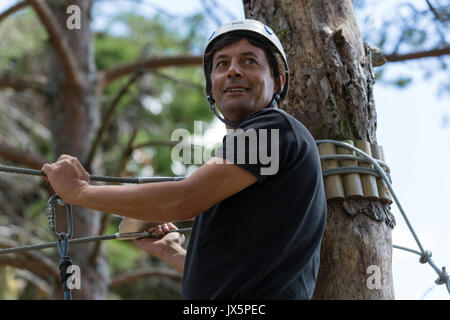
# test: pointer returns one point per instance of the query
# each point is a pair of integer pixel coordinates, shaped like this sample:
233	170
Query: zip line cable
425	256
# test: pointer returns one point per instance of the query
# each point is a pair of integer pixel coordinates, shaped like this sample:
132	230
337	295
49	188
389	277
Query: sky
410	128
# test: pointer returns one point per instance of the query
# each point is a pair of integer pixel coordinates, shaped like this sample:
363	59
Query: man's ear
279	85
282	81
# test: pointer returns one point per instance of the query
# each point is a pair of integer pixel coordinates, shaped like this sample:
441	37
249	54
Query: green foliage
122	255
403	82
36	208
157	103
112	51
25	38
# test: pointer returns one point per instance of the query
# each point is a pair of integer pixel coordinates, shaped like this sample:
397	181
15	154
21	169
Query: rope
64	263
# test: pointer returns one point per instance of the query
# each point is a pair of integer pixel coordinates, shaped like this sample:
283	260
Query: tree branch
22	157
44	289
128	277
110	75
127	153
32	261
418	55
434	11
35	82
181	82
108	117
62	48
12	10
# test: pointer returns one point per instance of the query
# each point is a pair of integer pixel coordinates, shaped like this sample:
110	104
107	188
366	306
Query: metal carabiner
51	216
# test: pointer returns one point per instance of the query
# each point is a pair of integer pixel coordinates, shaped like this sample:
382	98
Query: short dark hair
276	62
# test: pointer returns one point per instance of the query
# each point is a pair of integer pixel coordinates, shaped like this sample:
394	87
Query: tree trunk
331	93
74	113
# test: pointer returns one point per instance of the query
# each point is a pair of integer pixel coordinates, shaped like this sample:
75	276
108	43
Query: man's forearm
157	202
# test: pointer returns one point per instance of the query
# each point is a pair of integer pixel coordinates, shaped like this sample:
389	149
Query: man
259	221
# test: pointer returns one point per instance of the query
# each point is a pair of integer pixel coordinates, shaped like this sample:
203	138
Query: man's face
242	81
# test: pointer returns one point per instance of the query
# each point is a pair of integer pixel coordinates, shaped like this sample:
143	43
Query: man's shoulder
279	117
270	117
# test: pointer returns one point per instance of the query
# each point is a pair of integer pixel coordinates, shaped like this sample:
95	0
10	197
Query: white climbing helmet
253	26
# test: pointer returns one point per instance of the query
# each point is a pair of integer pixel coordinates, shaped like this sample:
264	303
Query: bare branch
148	4
62	48
378	57
181	82
108	117
108	76
44	289
128	277
22	157
154	143
12	10
36	82
127	153
30	260
418	55
19	233
109	113
434	11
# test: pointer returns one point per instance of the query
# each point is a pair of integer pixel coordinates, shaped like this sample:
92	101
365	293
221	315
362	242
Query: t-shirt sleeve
263	145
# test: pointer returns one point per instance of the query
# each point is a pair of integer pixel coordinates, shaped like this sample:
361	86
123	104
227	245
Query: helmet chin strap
234	124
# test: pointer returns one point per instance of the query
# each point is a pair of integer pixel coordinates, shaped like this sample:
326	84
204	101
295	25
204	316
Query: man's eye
221	64
250	61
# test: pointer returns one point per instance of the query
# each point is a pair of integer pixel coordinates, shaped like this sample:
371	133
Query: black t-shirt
263	242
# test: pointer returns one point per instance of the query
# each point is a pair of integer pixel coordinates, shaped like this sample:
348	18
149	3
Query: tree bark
74	118
331	93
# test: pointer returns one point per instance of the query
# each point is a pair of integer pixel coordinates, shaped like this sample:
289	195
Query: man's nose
234	70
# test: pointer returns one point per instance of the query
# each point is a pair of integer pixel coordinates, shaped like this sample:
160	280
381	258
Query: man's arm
158	202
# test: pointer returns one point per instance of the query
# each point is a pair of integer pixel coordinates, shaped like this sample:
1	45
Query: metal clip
51	216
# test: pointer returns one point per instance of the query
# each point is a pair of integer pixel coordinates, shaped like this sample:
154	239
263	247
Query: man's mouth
236	89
